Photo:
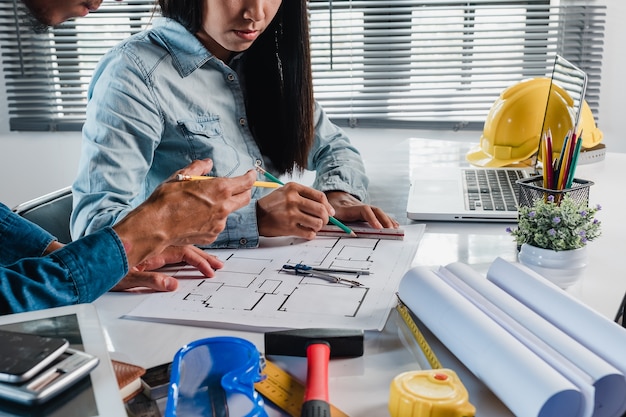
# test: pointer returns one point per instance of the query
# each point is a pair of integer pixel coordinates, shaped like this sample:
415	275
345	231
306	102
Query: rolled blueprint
600	382
520	378
591	329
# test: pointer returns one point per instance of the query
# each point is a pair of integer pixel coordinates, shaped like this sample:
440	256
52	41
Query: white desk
360	386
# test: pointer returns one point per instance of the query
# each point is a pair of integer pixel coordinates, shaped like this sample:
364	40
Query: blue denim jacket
77	273
160	100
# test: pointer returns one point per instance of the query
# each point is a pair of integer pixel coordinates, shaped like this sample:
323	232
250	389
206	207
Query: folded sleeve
20	238
77	273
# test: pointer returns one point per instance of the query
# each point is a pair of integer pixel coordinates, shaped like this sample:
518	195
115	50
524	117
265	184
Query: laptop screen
572	80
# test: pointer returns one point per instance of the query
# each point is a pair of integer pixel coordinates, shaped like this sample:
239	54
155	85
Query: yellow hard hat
591	134
514	123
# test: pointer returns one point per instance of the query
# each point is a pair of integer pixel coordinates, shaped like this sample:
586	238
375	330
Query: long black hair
279	86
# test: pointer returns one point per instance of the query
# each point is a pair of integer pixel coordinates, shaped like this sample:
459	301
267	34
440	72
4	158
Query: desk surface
388	353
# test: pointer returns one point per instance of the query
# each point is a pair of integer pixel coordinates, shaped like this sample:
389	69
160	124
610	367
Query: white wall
32	164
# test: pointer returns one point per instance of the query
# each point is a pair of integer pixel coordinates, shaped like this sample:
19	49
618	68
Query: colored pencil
572	170
548	164
560	166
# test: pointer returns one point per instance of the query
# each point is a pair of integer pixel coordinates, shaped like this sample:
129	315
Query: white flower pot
563	268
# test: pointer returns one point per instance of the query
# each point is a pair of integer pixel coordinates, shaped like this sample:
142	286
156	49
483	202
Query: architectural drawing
253	289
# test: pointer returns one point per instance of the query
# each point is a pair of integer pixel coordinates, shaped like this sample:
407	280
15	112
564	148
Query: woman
226	80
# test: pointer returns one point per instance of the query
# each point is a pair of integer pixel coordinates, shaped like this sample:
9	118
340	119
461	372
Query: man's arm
76	273
177	213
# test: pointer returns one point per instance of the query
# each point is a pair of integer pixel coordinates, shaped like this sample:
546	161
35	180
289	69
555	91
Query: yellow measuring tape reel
436	392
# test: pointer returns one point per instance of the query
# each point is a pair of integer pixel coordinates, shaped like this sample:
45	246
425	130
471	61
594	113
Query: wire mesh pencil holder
531	189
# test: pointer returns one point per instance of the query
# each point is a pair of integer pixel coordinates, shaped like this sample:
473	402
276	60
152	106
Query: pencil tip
352	234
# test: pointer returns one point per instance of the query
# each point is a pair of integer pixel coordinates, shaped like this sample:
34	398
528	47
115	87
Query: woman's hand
293	210
145	275
349	209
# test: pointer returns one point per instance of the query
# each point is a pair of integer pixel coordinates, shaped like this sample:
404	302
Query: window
435	63
409	63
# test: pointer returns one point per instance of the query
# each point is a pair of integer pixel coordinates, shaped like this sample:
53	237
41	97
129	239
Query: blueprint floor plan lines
253	290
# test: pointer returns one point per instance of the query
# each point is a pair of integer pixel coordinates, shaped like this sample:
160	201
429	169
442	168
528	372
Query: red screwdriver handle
315	403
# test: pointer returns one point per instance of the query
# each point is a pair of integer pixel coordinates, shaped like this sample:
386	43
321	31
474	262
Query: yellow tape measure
436	392
404	312
285	391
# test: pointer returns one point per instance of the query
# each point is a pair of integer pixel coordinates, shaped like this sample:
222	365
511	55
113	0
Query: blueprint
254	291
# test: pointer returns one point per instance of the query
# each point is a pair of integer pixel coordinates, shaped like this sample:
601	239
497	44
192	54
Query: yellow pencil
264	184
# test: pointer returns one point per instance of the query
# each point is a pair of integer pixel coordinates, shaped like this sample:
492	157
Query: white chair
51	212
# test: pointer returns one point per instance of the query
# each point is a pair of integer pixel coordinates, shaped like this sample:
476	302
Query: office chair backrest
51	212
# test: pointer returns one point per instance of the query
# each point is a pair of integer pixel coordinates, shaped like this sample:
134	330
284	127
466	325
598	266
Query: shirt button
242	121
243	241
231	77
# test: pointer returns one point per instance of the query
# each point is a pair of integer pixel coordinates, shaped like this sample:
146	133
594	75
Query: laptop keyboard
491	189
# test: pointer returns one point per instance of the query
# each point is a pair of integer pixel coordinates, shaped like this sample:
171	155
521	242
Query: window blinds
442	63
406	63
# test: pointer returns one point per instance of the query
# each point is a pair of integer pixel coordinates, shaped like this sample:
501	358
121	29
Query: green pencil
331	218
570	179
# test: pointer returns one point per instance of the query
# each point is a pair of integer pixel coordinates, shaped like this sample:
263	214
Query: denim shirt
77	273
160	100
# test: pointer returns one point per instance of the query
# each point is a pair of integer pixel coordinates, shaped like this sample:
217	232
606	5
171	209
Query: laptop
453	193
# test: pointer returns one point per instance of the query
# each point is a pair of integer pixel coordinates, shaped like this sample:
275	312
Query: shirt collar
188	53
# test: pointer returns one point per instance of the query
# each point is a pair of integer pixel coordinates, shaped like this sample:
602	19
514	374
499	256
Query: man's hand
183	212
145	275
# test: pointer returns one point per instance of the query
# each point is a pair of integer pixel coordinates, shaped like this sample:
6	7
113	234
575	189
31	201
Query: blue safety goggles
216	377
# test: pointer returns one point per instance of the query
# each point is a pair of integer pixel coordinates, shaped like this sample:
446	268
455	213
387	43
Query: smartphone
67	369
23	355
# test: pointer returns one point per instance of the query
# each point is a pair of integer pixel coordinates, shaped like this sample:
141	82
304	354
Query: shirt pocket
206	140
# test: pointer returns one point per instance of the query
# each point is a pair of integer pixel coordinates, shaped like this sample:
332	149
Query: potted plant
552	235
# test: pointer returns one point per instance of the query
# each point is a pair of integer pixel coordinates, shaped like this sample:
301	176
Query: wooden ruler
405	313
366	232
285	391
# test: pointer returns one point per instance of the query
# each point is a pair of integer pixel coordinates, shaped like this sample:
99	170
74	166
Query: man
37	272
54	12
